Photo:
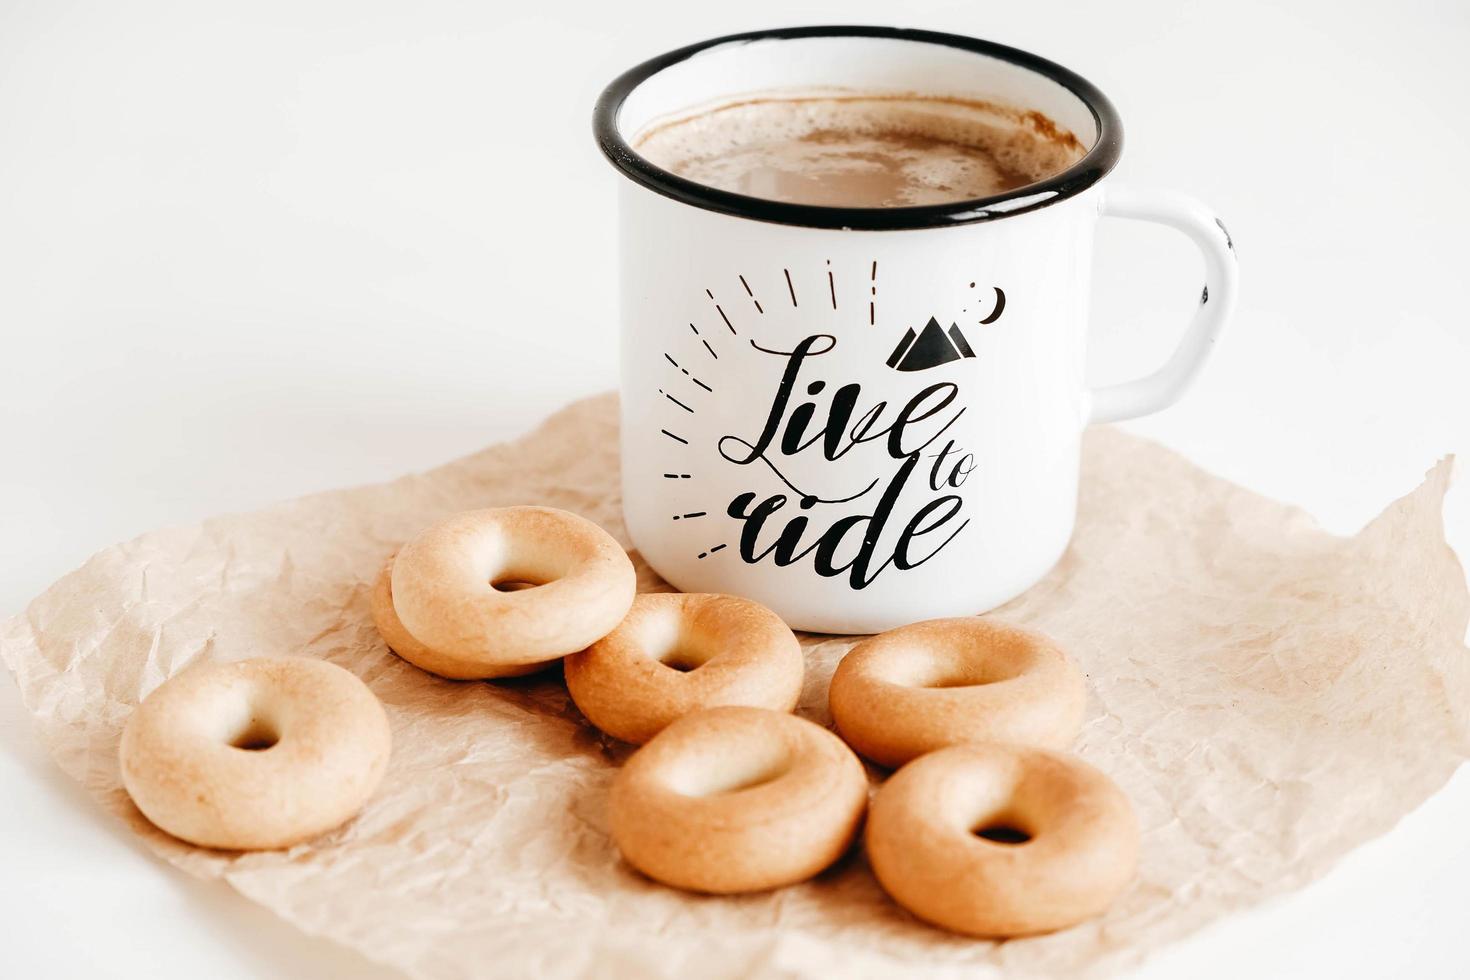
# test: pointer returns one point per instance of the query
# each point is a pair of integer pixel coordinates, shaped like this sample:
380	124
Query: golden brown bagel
401	642
1078	839
255	754
439	604
676	653
943	682
737	799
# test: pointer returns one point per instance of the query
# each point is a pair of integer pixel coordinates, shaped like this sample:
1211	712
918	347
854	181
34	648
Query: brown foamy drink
879	151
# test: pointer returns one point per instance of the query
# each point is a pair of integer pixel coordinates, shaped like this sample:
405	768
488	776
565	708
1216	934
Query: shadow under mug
865	417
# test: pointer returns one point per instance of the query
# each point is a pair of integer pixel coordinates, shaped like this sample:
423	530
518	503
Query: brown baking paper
1268	695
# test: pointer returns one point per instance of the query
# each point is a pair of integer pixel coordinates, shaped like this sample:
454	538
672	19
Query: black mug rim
1096	164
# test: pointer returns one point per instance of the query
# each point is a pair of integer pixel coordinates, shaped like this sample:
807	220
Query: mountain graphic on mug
929	348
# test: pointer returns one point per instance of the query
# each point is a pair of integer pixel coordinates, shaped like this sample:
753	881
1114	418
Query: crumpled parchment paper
1268	695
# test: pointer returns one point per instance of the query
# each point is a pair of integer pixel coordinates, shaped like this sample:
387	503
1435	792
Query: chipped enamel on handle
1161	389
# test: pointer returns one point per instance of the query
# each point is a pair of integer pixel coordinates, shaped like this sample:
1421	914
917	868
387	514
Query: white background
249	251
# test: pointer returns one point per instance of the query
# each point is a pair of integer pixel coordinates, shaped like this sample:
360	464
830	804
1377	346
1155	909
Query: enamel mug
865	417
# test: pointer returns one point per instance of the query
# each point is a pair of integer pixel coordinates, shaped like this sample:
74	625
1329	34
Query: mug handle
1161	389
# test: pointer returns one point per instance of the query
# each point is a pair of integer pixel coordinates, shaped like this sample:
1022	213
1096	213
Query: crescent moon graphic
1000	305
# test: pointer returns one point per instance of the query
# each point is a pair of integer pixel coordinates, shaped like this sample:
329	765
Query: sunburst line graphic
704	342
721	310
873	295
751	294
676	401
674	437
790	288
669	357
718	547
691	514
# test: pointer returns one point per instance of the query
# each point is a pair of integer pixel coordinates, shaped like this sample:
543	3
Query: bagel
401	642
1001	840
676	653
502	592
255	754
943	682
737	799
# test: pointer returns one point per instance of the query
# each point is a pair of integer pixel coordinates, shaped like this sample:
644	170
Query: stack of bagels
986	828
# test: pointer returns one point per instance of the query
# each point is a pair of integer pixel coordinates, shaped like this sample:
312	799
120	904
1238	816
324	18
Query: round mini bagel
676	653
943	682
255	754
737	799
1002	840
401	642
492	593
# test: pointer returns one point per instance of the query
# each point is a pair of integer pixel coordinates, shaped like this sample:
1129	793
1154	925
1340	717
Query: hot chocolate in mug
864	417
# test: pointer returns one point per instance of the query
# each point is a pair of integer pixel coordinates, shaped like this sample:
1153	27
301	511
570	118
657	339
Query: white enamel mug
864	417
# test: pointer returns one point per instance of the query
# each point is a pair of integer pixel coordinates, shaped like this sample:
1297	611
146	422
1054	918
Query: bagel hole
975	663
512	583
978	675
943	672
683	659
257	736
744	774
1002	832
666	641
945	682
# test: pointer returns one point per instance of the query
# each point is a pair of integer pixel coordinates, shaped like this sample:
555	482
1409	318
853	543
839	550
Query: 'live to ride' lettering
914	436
